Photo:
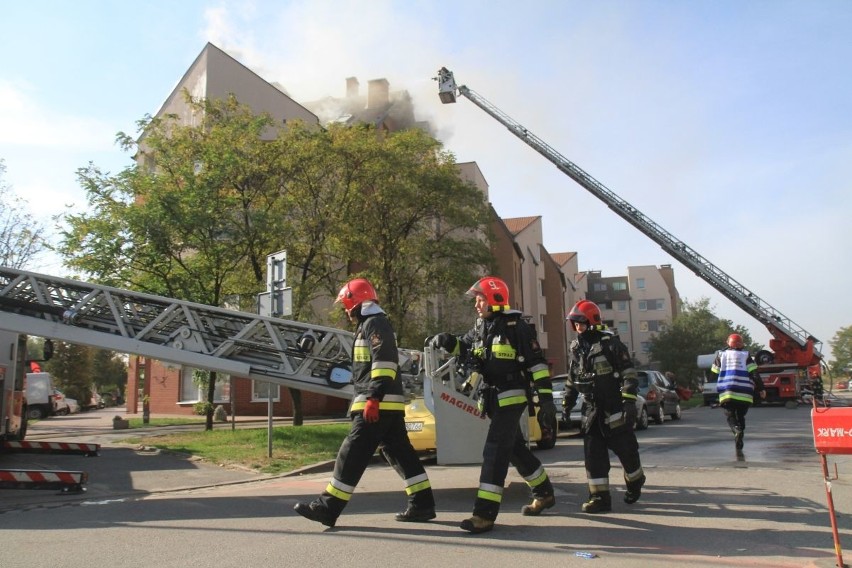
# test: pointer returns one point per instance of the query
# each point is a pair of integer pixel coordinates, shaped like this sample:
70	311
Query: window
650	305
643	326
645	346
260	390
640	283
621	306
622	327
192	390
599	287
652	325
605	305
619	285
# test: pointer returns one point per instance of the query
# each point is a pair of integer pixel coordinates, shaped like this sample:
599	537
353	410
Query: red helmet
355	292
735	340
495	291
586	312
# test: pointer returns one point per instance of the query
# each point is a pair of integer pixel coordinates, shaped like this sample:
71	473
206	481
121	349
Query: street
701	507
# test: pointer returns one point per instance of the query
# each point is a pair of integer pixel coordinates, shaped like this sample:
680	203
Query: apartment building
543	285
637	306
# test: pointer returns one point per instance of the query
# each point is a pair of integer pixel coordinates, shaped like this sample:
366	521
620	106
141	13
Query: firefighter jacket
738	379
375	365
505	350
600	368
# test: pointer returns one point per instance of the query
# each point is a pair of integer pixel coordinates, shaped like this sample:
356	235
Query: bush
200	408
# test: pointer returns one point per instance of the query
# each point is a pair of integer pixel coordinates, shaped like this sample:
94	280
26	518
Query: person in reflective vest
737	381
503	348
377	413
600	368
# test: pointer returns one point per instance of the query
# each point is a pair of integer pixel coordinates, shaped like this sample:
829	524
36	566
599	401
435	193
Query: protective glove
371	410
444	341
630	412
546	412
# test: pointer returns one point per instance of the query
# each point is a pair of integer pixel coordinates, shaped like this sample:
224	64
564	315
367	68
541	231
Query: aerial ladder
307	357
300	355
791	345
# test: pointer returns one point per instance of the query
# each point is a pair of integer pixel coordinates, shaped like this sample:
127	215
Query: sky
726	122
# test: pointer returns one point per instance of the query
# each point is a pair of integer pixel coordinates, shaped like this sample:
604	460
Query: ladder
307	357
782	328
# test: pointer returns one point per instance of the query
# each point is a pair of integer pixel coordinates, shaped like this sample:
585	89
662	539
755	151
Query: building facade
543	285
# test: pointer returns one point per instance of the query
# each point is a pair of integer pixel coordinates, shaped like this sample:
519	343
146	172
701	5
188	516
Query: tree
109	371
71	365
192	224
21	237
695	331
214	199
841	348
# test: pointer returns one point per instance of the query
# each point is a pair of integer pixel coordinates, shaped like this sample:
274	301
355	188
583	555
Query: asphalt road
702	506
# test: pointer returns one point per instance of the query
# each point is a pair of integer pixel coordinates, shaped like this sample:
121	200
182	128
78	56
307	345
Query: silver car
576	414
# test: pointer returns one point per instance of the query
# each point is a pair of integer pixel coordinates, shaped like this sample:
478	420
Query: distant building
638	305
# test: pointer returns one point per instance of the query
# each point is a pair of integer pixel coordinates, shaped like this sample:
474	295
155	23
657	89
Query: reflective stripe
545	391
633	476
615	417
538	477
389	402
340	490
503	351
383	369
628	396
510	397
412	489
361	354
736	396
490	492
598	485
539	372
378	372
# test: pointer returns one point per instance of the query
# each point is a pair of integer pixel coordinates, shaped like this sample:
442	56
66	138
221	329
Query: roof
518	224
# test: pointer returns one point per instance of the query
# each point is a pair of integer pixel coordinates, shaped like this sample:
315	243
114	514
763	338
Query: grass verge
293	447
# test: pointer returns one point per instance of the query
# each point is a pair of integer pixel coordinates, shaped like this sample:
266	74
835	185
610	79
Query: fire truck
793	362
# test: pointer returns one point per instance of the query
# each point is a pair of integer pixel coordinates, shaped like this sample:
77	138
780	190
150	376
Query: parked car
558	394
660	396
73	405
576	415
96	401
60	404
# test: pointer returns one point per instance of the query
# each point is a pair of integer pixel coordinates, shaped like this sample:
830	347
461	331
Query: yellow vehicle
442	389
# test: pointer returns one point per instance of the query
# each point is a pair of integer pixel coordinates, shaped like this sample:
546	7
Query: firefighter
737	381
503	348
600	369
377	414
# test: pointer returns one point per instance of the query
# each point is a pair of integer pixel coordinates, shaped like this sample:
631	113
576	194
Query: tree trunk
296	395
211	391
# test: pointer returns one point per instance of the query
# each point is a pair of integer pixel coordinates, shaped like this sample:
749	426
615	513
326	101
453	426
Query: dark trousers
735	413
357	451
504	445
597	443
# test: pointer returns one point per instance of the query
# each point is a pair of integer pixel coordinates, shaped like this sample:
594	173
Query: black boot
738	440
416	515
598	503
634	490
316	511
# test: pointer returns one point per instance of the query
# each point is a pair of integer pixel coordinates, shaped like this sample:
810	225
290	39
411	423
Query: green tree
695	331
214	199
841	348
21	237
194	222
71	365
109	371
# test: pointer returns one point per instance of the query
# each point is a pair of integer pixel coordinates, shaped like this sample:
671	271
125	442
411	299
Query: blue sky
726	122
